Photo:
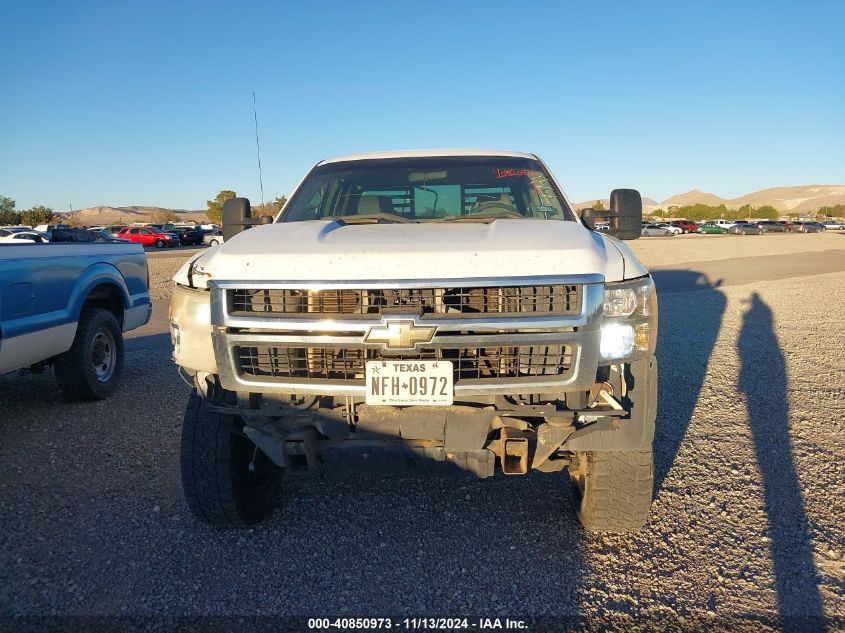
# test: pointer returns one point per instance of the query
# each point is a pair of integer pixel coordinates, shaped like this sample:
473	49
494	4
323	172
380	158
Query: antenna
257	147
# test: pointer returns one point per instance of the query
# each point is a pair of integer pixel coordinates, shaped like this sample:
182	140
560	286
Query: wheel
159	243
612	490
227	480
743	232
213	242
91	368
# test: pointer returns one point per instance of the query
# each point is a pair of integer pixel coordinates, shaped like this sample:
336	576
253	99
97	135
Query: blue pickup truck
67	304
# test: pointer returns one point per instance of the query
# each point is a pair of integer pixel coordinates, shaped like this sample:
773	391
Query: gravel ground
748	519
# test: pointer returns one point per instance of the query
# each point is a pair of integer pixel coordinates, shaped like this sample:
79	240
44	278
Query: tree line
699	212
215	207
38	214
835	211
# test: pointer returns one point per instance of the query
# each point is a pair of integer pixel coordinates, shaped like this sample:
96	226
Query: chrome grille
466	302
345	363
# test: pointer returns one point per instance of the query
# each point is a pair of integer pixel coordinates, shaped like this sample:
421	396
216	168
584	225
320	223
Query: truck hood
333	251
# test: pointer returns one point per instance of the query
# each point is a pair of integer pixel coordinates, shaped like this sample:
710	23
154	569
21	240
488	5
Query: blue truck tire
91	368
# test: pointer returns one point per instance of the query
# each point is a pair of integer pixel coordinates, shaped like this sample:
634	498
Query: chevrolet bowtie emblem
400	334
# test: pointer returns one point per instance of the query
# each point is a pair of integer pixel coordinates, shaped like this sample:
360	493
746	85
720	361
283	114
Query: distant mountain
589	203
647	202
800	199
93	216
696	196
796	199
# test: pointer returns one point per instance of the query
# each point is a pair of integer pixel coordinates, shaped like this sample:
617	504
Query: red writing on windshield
508	173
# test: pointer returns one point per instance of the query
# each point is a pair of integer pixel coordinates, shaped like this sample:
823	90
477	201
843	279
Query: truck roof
424	153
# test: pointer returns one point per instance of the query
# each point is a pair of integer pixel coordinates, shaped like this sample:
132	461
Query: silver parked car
213	238
773	226
746	229
809	227
655	230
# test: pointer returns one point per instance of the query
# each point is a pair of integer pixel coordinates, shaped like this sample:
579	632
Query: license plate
408	382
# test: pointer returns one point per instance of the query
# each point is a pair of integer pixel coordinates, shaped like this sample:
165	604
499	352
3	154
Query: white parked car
833	225
725	224
676	230
8	230
24	237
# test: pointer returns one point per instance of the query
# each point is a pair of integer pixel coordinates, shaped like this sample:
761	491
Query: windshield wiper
487	217
371	218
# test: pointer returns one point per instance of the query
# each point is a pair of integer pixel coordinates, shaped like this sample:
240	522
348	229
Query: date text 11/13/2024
418	624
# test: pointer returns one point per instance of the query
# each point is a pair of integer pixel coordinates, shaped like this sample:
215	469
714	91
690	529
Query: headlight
629	328
190	329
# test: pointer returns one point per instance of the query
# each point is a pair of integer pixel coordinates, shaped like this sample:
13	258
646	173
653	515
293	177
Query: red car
148	236
687	226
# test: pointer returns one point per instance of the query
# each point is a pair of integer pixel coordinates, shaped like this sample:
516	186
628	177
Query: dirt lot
748	520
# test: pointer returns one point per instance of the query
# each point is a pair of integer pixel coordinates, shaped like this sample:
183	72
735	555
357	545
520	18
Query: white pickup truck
439	306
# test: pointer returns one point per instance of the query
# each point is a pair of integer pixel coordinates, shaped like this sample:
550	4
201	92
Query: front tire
612	490
159	243
227	480
213	242
91	368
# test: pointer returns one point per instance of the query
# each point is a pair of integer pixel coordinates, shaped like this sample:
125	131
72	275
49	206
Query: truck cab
444	306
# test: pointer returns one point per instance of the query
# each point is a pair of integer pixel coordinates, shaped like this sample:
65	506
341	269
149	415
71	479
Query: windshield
436	189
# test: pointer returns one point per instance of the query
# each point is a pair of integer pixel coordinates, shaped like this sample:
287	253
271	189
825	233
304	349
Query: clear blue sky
150	102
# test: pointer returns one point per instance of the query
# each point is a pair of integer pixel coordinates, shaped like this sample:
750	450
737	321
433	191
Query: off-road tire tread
618	491
72	369
207	469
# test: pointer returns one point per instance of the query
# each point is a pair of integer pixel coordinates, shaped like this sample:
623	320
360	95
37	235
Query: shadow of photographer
763	381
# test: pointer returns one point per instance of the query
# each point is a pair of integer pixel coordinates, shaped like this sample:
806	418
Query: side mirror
588	218
626	214
236	213
237	217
